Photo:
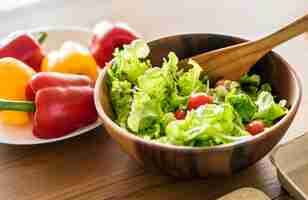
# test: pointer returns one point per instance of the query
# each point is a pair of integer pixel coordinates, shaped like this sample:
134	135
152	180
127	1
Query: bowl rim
223	147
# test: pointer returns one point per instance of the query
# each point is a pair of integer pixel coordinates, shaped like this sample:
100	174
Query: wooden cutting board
291	162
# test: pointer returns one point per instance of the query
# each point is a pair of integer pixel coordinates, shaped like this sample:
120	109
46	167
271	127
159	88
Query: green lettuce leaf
253	80
189	81
252	91
145	115
128	63
160	84
153	82
170	66
265	87
207	125
243	104
121	98
166	119
268	110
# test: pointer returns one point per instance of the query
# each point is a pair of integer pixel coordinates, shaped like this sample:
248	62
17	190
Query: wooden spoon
234	61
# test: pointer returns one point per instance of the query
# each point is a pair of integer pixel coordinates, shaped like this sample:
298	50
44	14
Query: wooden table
92	166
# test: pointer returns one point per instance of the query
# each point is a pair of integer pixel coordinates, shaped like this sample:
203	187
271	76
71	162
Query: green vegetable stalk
25	106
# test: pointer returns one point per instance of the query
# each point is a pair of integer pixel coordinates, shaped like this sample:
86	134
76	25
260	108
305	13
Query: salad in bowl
170	105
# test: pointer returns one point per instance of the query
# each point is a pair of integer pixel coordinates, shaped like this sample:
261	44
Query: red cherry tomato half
180	114
197	100
255	127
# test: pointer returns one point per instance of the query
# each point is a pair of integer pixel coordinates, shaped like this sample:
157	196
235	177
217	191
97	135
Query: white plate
23	135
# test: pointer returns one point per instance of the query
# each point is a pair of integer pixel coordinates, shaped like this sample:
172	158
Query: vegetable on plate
61	110
71	58
61	94
107	37
54	79
14	76
63	103
24	47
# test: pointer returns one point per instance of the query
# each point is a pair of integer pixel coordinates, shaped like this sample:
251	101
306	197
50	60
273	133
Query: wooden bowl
187	162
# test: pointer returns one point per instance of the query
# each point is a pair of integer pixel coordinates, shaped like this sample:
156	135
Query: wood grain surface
92	166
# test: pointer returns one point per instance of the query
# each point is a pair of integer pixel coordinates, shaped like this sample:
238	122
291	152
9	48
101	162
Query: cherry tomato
255	127
220	82
180	114
197	100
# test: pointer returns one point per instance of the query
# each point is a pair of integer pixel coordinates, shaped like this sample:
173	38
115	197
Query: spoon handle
294	29
234	61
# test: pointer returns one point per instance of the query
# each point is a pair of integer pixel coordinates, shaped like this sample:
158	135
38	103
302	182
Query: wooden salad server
234	61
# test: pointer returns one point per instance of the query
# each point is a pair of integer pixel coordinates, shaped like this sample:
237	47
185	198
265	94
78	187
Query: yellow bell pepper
71	58
14	76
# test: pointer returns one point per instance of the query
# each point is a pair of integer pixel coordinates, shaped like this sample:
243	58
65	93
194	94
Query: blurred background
248	19
25	14
154	18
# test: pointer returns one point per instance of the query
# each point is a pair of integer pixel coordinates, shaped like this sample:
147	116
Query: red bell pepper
52	79
107	37
25	48
58	110
63	103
